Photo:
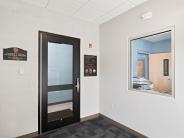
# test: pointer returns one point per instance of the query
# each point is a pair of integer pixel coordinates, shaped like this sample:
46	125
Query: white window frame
130	70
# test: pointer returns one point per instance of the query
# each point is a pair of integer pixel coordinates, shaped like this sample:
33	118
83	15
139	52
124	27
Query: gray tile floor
96	128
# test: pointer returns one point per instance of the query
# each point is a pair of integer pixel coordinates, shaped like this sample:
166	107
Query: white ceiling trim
123	7
97	11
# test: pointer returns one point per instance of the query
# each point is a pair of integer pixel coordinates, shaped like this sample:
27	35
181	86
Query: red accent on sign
90	45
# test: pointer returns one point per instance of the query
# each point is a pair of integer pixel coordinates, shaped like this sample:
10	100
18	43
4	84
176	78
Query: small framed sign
90	65
14	53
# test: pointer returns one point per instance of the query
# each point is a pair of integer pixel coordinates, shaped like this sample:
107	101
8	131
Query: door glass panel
60	64
59	96
60	105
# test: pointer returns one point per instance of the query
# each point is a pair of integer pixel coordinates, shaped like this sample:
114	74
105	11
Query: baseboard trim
90	117
30	135
35	134
139	135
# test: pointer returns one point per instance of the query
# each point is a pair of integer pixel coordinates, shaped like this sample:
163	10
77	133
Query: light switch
21	71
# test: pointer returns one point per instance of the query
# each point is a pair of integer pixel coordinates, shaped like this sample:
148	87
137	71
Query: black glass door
59	81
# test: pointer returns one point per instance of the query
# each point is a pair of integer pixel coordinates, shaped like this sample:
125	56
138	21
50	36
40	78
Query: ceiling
97	11
158	37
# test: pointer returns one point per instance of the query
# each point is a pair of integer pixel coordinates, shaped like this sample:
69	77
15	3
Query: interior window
151	68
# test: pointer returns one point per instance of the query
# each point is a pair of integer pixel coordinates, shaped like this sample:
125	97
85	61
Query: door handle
78	85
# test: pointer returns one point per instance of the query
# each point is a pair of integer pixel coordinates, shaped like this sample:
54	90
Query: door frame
42	118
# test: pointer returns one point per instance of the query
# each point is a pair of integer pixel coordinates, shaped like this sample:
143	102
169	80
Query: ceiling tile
67	7
88	12
106	5
137	2
82	1
103	18
122	8
98	11
41	3
125	6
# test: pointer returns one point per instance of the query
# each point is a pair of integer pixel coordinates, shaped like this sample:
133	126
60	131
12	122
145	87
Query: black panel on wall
166	67
90	65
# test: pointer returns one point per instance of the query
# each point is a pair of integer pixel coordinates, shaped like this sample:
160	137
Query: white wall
19	26
153	115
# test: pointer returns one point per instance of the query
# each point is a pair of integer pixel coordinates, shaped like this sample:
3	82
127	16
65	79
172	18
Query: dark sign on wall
14	53
90	65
